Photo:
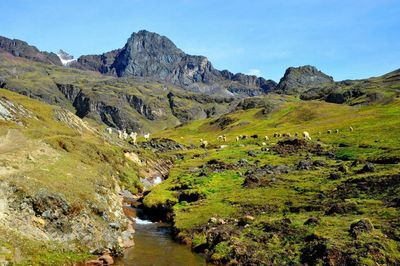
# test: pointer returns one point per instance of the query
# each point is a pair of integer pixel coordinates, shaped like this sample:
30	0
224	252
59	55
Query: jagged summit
148	54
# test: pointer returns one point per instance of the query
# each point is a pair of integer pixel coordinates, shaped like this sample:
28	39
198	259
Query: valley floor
331	200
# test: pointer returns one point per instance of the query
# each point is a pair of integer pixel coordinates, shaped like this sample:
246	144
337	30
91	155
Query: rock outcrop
100	63
299	79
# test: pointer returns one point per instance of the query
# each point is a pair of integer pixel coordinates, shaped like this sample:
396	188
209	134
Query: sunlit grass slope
198	190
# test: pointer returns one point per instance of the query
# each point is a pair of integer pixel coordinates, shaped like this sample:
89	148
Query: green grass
78	165
295	195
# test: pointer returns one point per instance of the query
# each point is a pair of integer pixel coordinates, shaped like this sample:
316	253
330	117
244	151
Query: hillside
60	184
135	104
333	200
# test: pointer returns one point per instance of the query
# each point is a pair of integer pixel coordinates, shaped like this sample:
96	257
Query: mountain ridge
23	49
148	54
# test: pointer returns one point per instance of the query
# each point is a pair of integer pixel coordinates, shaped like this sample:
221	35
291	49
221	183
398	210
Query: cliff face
101	63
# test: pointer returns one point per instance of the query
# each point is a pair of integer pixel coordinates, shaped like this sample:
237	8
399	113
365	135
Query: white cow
119	134
146	136
109	130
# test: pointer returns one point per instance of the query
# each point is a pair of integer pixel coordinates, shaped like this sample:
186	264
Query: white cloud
255	72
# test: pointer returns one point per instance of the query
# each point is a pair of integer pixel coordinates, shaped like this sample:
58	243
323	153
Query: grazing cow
146	136
351	129
337	131
329	131
266	138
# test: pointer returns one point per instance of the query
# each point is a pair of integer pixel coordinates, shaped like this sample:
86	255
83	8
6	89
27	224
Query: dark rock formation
101	63
22	49
361	226
299	79
147	54
99	109
158	145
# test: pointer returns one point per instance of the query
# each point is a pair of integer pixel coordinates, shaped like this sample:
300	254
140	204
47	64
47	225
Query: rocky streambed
153	242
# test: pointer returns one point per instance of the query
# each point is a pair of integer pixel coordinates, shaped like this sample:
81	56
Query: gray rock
312	221
252	154
368	168
361	226
243	162
299	79
343	168
335	175
304	165
148	54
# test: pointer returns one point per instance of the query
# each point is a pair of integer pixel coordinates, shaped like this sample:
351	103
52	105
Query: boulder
360	226
94	263
335	176
367	168
304	165
312	221
106	259
343	168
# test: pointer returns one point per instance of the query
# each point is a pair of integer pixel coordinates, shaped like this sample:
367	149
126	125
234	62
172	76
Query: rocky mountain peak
147	54
299	79
148	41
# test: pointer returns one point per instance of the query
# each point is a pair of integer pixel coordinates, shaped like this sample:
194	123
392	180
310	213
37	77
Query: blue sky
346	39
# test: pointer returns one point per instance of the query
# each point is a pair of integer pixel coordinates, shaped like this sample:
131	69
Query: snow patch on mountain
65	58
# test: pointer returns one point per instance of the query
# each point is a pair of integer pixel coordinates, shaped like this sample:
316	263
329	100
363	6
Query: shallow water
154	246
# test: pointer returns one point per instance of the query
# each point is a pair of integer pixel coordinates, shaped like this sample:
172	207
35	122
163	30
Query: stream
154	245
